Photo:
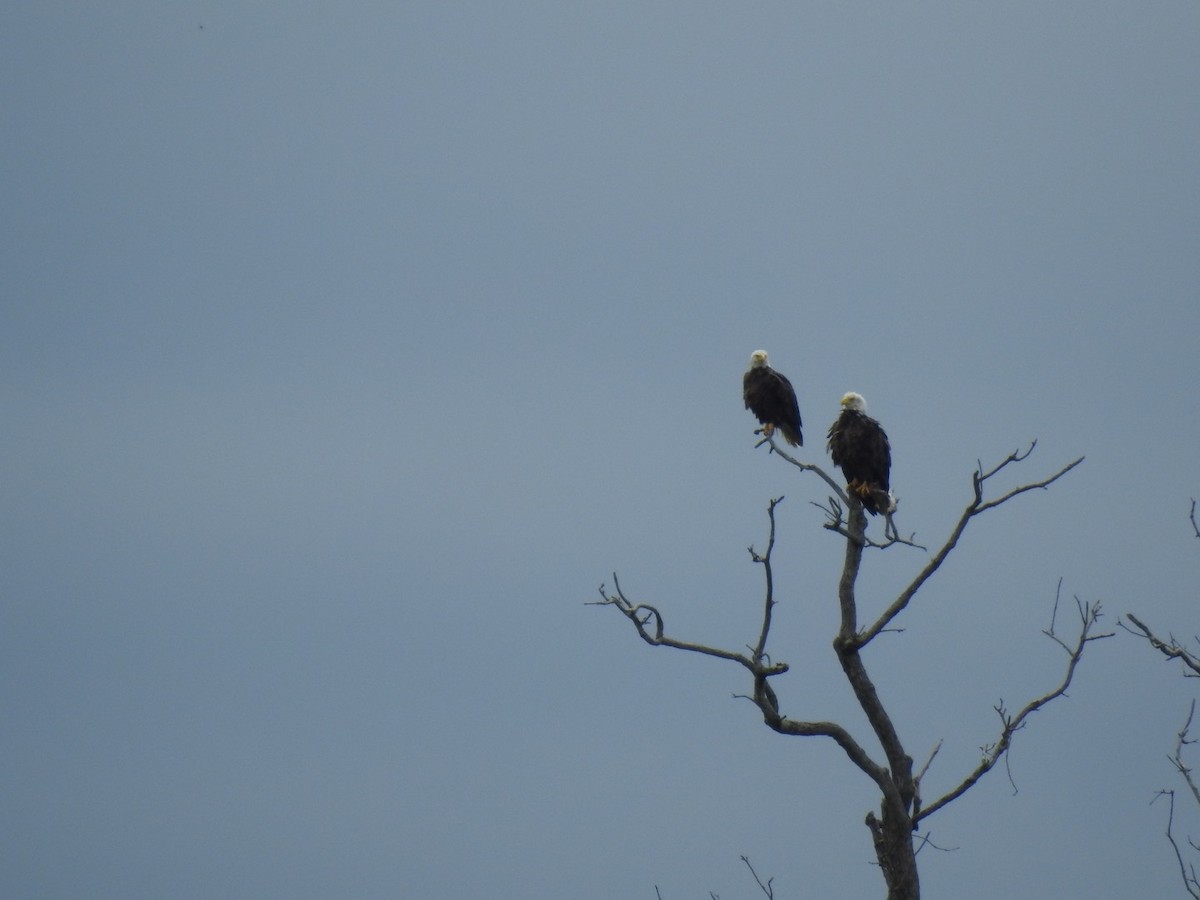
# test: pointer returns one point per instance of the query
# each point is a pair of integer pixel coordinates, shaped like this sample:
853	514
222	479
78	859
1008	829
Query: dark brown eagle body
772	399
859	445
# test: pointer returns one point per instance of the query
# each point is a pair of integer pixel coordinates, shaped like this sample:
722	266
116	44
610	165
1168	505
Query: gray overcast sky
346	349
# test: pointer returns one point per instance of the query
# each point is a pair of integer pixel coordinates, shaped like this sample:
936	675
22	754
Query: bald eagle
770	396
859	445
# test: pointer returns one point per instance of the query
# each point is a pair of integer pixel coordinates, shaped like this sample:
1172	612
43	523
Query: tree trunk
893	835
895	852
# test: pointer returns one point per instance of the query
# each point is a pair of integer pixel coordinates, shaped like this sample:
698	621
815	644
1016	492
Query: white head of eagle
855	402
770	396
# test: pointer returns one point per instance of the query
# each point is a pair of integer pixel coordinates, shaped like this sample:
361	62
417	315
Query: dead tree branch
1187	870
1089	616
1170	648
977	506
767	888
650	626
806	467
1181	741
834	509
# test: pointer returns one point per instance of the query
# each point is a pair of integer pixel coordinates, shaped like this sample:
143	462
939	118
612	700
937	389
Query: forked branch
977	506
767	888
1173	649
1170	648
836	519
806	467
1089	617
650	626
1187	870
1182	739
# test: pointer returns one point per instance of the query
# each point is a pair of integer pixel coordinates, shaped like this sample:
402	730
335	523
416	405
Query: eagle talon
858	487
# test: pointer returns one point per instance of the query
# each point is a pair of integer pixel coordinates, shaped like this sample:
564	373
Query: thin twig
767	888
769	602
836	521
1181	741
833	512
916	803
927	839
1187	871
642	614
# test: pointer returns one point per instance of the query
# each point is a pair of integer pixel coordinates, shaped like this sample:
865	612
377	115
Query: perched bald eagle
770	396
859	445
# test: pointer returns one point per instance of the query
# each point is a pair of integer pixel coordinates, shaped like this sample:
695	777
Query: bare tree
1171	649
901	809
